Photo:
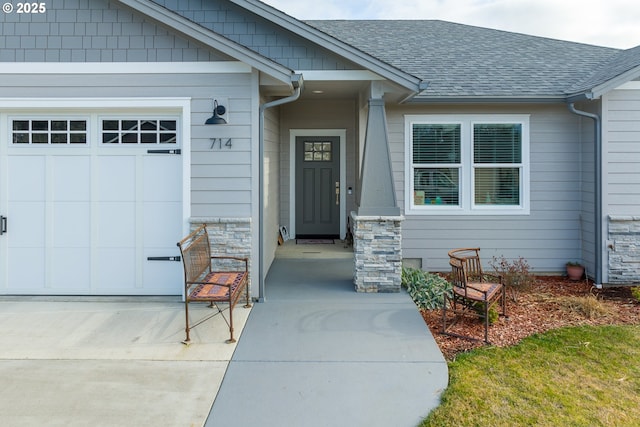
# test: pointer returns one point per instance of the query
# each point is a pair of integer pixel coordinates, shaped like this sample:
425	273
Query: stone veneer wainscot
624	251
377	247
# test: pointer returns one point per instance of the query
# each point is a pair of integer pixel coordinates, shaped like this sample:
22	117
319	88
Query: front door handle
337	192
3	225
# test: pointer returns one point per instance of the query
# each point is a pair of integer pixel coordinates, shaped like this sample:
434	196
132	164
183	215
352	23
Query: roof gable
282	39
209	38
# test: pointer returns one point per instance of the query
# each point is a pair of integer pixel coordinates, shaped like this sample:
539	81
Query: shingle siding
92	31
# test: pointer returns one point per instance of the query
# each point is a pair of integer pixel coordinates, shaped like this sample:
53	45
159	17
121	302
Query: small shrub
516	274
635	291
588	306
493	313
426	289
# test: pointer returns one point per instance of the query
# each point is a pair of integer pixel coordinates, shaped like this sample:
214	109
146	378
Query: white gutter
298	83
598	188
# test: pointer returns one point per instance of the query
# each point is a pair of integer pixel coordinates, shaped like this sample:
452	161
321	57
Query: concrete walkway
316	353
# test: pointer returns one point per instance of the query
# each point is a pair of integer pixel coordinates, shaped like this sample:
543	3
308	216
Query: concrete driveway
108	362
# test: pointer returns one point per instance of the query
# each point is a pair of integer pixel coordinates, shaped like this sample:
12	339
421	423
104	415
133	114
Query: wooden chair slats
474	291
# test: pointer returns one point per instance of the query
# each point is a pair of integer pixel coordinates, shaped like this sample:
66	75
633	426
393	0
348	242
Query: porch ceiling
319	89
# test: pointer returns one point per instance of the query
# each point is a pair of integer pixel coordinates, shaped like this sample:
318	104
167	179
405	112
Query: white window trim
467	205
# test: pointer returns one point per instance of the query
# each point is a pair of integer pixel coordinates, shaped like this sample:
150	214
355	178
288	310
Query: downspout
297	82
598	188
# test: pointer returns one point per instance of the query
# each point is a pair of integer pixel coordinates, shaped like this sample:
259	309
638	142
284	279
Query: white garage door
91	204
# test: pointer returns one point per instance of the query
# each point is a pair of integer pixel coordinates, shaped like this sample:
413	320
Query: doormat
315	241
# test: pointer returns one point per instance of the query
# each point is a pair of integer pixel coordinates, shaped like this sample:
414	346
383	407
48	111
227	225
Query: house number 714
218	142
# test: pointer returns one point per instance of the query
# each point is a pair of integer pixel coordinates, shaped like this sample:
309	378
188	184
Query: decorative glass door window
49	131
139	131
317	151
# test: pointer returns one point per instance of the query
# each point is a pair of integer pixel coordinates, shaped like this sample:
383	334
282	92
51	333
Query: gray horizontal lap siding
546	238
220	178
92	31
623	153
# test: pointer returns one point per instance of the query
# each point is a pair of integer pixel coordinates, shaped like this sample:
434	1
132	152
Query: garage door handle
3	224
176	151
164	258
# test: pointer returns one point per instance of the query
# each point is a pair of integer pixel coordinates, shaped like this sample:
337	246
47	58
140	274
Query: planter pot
575	272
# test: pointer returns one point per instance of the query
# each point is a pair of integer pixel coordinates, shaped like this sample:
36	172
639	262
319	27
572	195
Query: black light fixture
218	110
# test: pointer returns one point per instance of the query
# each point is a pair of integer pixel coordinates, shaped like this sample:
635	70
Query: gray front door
317	186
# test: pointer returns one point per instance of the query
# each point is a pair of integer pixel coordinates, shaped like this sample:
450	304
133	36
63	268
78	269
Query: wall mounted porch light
215	119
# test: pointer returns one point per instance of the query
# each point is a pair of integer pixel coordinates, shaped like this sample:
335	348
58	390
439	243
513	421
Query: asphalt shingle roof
472	62
618	64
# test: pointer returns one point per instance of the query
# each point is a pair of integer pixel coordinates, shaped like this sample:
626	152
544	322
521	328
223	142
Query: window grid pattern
49	131
139	131
317	151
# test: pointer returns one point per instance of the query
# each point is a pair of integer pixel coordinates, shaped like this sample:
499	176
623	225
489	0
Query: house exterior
421	136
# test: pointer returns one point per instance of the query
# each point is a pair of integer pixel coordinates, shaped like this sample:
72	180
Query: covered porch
348	183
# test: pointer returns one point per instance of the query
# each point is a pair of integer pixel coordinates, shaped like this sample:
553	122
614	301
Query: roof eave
543	99
210	38
597	91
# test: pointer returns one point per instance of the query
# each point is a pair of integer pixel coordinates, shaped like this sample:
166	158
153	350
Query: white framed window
138	131
48	131
467	164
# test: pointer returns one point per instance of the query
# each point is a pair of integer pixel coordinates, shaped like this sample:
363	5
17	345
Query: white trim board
124	67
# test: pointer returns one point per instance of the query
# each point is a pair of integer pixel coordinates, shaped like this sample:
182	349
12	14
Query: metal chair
474	291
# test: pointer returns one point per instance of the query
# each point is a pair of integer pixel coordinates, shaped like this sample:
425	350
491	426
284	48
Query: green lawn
577	376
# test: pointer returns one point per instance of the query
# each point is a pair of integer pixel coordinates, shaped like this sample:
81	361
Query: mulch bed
553	302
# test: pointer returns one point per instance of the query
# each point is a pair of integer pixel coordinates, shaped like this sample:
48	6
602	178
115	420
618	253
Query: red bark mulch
553	302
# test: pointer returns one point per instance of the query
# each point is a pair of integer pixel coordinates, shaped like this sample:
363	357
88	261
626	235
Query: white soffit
343	75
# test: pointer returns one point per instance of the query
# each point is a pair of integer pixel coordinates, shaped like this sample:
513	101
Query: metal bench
205	283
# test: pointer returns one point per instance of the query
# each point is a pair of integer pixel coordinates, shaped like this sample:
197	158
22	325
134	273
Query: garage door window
49	131
139	131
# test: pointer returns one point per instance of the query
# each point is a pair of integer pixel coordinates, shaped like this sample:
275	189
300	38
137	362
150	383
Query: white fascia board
209	38
342	75
98	103
221	67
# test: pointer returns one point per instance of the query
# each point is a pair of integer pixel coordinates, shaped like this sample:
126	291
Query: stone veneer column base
624	257
377	247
